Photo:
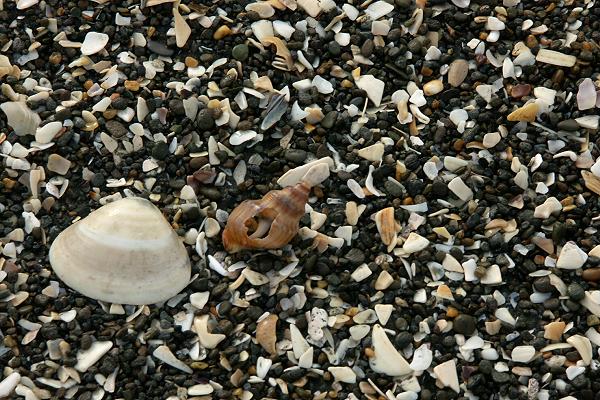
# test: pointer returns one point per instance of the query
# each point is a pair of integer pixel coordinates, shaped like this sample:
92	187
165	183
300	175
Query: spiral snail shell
273	221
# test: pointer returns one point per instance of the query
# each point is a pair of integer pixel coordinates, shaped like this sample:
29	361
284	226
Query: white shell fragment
373	86
124	252
422	358
295	175
21	118
373	152
46	133
571	257
446	374
415	243
462	191
342	374
87	358
207	339
93	43
555	58
182	29
586	95
583	346
164	354
387	360
523	354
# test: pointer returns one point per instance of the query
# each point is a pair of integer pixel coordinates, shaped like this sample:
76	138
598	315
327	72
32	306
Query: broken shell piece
386	225
386	360
281	50
21	118
266	334
343	374
271	222
93	43
571	257
293	176
586	95
415	243
373	152
124	252
554	330
555	58
527	113
446	374
164	354
547	208
373	86
182	29
583	346
207	340
46	133
87	358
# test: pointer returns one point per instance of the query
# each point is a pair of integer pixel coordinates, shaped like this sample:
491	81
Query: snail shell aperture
124	252
271	222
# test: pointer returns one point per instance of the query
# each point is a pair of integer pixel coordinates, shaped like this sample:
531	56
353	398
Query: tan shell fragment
266	334
281	50
527	113
5	66
458	71
386	225
182	29
555	58
554	330
592	182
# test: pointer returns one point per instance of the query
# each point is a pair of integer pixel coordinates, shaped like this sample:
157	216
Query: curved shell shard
124	252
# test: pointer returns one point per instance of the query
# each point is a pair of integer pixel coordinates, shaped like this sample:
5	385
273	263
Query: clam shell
124	252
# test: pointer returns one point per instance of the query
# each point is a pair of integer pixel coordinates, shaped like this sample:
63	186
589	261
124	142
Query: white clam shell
124	252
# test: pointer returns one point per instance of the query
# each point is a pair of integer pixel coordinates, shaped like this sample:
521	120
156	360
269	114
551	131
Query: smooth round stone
295	155
568	125
205	120
160	150
543	285
464	324
591	274
240	52
575	291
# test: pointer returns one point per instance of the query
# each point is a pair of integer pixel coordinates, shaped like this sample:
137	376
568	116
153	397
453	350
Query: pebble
240	52
591	274
204	120
160	150
116	129
464	324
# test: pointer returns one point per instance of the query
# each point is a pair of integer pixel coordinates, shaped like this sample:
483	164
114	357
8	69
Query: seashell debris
93	43
387	360
124	252
21	118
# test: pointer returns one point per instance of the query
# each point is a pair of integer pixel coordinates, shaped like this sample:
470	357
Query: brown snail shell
268	223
